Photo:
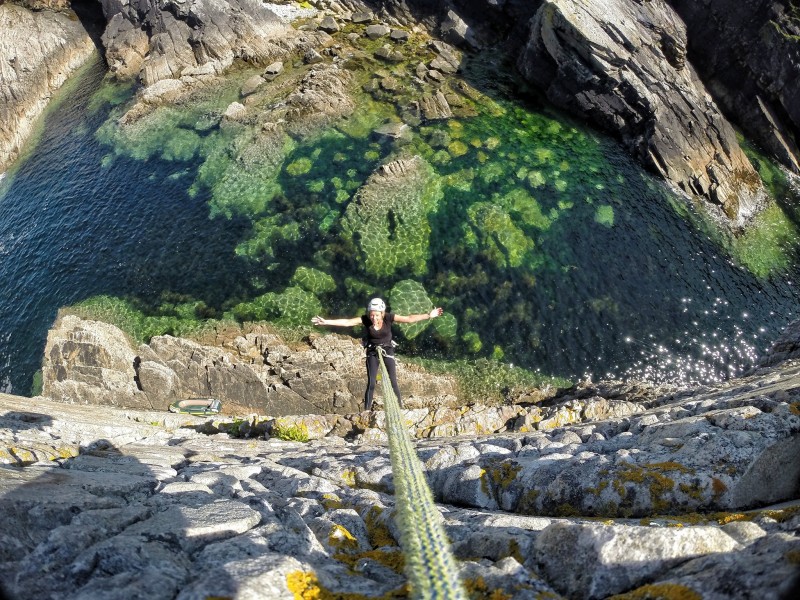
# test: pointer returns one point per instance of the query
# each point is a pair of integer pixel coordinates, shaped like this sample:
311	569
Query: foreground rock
119	503
38	52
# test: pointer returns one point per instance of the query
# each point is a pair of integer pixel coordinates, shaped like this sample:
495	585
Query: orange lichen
660	591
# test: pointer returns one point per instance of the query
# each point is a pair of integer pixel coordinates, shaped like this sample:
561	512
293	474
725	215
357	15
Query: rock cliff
89	362
111	502
631	77
669	79
748	54
38	52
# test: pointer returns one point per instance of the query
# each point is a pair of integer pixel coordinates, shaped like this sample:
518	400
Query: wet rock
432	107
273	70
787	346
251	85
236	111
394	131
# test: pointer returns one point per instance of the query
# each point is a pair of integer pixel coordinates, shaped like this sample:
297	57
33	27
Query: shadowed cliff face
748	54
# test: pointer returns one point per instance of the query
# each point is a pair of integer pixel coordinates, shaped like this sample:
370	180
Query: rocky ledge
38	52
692	494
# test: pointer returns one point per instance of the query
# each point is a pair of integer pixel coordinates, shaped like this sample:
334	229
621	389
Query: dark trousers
373	366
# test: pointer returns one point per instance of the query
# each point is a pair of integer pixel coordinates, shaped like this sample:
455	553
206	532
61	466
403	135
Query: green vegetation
290	433
184	319
768	245
488	381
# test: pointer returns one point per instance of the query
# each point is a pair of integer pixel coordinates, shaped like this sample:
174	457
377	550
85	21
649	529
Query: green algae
768	245
487	211
605	215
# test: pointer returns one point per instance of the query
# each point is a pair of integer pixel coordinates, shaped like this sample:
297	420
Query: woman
378	325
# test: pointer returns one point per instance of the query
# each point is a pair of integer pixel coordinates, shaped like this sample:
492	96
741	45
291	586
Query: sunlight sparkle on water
690	359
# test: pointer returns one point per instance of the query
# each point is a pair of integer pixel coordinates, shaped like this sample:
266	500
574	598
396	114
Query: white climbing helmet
376	304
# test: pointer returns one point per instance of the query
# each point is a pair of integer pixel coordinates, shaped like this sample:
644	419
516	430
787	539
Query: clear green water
547	247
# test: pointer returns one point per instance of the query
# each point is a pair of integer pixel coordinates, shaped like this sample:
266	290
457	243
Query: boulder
91	363
374	32
623	67
329	24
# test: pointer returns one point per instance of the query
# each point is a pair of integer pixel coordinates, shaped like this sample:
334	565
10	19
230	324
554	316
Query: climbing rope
430	565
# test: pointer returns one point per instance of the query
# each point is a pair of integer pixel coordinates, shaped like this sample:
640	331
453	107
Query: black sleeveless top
380	337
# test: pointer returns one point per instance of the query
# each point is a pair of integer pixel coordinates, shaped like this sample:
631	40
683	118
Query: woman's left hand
436	312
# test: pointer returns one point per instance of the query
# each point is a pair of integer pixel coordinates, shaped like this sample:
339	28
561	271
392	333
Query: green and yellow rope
430	565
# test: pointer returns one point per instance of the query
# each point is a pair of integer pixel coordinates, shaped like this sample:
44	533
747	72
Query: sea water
548	247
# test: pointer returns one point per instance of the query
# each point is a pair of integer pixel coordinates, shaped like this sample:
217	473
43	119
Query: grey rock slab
597	561
193	527
768	567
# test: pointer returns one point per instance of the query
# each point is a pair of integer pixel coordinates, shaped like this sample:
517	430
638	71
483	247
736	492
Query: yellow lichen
377	530
349	477
515	551
527	503
669	466
657	483
342	539
599	489
331	501
305	586
503	474
692	490
478	589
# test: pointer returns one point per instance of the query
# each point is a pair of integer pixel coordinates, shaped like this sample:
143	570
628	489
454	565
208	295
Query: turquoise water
547	247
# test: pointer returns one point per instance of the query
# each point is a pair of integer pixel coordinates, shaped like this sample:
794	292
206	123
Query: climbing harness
430	564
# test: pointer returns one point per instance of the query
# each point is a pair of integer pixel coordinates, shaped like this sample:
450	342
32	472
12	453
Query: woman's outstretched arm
436	312
320	322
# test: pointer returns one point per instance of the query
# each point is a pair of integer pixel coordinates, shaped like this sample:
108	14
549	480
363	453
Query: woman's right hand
318	321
